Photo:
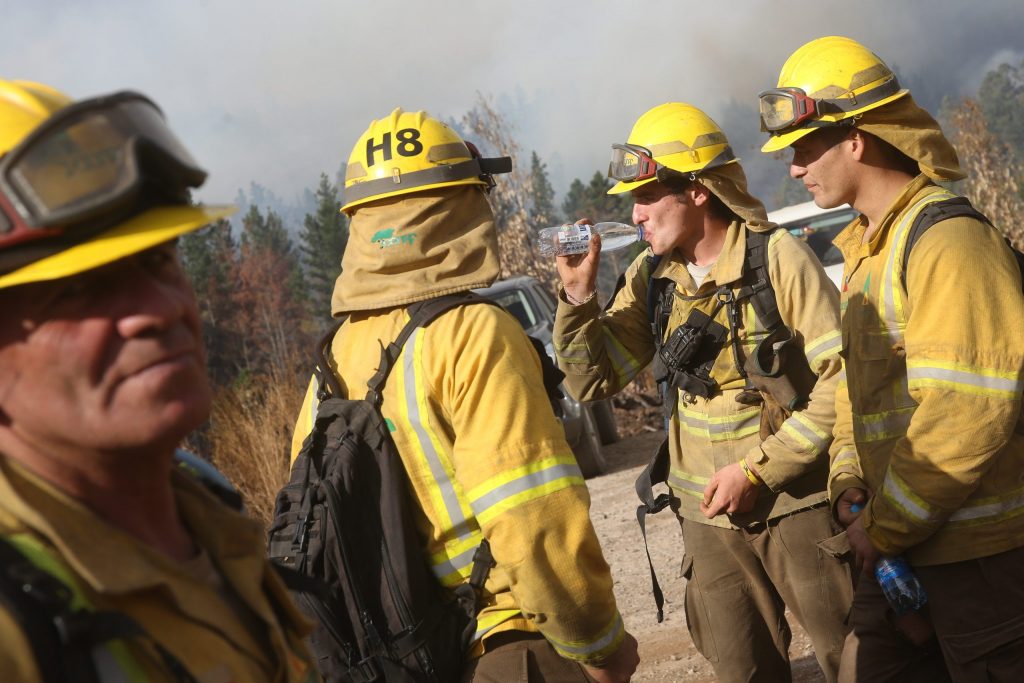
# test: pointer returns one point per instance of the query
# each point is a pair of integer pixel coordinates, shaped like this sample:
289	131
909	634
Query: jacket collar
728	266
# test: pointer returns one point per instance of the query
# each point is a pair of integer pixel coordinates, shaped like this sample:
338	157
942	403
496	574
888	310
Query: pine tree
542	211
322	242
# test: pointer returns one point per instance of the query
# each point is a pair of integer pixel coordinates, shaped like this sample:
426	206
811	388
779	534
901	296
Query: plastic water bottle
902	589
565	240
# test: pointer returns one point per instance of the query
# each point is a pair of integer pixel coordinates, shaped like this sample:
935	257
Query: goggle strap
482	168
845	104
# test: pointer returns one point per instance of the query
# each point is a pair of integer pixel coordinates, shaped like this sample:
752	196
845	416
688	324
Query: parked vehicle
818	227
588	426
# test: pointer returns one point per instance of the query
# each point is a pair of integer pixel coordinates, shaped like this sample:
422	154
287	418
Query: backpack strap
62	639
931	214
656	472
37	600
421	314
757	285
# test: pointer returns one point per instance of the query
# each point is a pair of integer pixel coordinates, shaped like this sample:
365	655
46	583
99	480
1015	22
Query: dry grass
250	437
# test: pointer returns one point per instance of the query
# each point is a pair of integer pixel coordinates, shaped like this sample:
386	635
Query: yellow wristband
750	475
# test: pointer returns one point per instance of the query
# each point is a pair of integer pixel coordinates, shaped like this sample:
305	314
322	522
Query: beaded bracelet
750	475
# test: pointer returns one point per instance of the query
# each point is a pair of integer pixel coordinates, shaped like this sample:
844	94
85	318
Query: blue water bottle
901	588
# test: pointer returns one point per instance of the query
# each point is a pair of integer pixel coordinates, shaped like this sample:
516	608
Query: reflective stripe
821	348
990	509
847	456
109	669
314	403
492	618
882	426
685	482
424	441
902	496
624	364
803	430
578	649
529	482
454	564
728	428
564	352
892	286
965	378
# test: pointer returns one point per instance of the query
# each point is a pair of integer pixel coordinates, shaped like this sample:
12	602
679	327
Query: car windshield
819	231
516	302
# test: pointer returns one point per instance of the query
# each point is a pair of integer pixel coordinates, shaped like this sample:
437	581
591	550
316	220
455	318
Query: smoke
277	92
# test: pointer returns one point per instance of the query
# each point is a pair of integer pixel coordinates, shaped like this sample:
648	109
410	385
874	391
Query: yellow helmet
676	136
83	184
827	81
413	152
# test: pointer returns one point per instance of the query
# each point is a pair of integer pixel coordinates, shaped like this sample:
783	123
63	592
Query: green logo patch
386	238
390	424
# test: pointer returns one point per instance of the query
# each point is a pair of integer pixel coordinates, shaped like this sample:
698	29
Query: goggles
783	108
88	167
631	163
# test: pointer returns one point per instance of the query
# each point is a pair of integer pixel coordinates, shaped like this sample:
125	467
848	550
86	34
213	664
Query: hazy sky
277	92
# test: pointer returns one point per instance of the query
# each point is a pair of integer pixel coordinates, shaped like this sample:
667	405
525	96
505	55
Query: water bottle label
574	239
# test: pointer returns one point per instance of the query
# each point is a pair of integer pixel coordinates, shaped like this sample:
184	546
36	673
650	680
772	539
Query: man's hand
864	551
579	271
847	499
619	666
728	491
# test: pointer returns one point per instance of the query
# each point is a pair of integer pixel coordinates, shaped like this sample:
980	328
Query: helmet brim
139	233
628	186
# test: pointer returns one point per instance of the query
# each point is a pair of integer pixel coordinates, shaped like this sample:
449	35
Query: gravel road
666	652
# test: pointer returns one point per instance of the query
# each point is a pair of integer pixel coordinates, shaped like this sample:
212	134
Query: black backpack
346	519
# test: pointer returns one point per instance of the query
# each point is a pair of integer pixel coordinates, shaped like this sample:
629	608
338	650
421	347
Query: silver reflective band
429	176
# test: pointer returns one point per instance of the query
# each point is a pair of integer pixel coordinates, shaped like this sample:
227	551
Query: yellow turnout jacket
602	353
486	457
929	410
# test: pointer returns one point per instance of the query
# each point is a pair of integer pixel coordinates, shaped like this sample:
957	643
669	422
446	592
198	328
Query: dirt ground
666	652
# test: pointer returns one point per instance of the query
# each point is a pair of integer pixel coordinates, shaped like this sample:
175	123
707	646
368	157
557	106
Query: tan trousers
518	657
740	582
977	609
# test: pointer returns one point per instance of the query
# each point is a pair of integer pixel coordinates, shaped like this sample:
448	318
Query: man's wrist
578	302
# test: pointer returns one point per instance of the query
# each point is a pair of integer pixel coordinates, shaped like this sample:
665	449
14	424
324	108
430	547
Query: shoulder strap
421	314
37	601
62	638
930	215
656	472
757	283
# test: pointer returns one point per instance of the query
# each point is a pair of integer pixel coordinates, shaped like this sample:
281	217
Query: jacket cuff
592	652
838	485
768	471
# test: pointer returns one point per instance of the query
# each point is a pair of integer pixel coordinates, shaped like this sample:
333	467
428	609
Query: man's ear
698	194
857	143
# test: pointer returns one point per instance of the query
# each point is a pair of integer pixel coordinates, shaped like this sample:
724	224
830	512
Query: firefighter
469	415
115	565
747	453
928	456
